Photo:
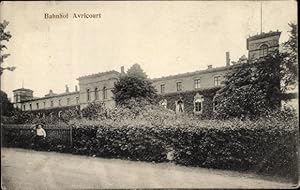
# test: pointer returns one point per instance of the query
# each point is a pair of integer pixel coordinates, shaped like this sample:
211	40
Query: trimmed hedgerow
266	145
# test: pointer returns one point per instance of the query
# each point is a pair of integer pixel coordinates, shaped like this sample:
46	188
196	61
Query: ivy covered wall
188	99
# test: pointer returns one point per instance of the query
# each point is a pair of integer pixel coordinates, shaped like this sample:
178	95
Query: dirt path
25	169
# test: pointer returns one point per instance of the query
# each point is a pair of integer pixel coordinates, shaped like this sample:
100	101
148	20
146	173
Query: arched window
198	106
88	95
96	94
198	103
263	51
104	93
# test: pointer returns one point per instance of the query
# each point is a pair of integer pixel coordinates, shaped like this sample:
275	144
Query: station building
191	92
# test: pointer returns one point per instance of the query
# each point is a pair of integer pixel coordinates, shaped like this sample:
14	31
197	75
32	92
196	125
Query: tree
290	62
6	105
251	89
137	71
4	36
94	111
134	85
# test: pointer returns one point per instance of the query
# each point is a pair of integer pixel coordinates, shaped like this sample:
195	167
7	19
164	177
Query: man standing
40	135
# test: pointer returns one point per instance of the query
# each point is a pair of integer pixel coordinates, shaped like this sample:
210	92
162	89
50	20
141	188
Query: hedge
260	147
265	146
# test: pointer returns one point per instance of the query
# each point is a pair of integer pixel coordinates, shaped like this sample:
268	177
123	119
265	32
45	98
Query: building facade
187	92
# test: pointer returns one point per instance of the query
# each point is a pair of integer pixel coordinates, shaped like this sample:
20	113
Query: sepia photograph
149	95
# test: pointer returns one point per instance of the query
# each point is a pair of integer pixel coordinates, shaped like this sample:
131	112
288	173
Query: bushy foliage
143	131
266	145
251	89
94	110
6	106
51	116
136	71
4	36
290	63
134	84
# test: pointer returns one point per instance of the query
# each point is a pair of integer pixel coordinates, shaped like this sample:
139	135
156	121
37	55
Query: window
198	103
37	105
104	93
217	80
179	86
59	102
44	104
77	100
88	94
68	101
162	88
30	106
198	106
96	94
197	83
24	107
263	51
51	103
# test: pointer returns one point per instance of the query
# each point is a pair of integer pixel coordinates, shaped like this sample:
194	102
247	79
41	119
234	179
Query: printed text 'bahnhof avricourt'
73	15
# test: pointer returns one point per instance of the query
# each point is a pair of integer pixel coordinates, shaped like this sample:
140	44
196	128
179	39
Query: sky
165	38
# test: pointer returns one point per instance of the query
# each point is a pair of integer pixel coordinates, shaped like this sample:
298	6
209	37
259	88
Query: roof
23	89
193	73
264	35
99	74
48	97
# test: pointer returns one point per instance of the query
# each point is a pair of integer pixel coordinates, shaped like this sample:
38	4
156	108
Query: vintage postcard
149	94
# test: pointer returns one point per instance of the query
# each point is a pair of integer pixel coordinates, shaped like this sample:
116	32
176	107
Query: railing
62	133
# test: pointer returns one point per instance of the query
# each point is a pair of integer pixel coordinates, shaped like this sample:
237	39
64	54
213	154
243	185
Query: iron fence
62	133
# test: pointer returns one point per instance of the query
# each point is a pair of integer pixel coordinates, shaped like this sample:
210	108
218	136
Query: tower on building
22	94
262	44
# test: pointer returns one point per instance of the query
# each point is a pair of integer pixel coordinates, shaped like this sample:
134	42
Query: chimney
122	70
227	58
67	88
76	88
50	91
209	66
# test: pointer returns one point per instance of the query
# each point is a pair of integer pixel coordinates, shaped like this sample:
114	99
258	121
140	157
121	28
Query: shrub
134	84
266	145
94	110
